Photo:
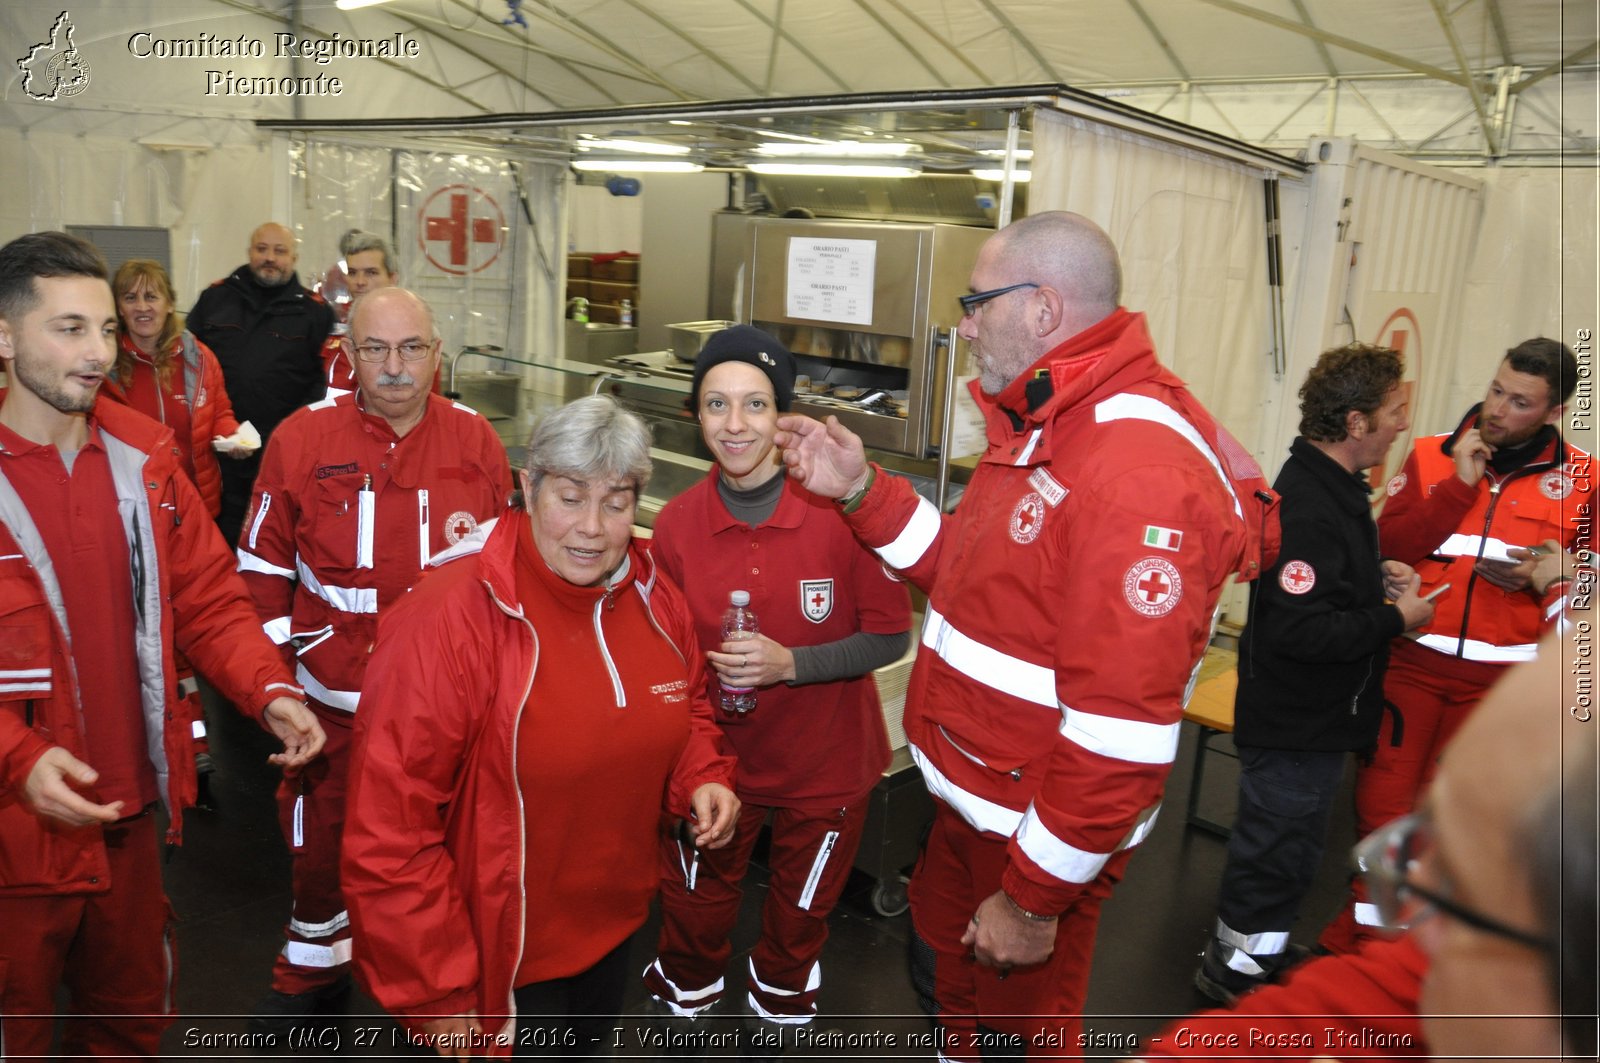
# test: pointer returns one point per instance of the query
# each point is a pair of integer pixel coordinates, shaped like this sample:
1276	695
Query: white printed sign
830	280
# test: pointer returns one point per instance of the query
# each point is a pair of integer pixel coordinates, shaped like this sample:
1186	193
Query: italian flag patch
1162	538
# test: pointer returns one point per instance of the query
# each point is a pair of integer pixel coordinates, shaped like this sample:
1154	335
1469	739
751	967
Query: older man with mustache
356	493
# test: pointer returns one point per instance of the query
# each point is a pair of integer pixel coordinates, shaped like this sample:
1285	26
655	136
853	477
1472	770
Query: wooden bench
1210	709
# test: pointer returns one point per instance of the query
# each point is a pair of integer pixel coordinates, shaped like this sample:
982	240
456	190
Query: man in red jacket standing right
1070	599
1504	478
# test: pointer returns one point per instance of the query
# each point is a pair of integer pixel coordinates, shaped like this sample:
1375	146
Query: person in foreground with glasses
355	494
1493	878
1070	598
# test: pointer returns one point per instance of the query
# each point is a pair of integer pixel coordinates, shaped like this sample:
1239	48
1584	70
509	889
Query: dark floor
229	884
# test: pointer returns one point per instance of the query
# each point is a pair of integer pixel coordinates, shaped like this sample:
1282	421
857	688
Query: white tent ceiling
1456	80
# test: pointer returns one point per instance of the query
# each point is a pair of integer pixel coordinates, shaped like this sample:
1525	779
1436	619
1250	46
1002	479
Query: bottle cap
740	598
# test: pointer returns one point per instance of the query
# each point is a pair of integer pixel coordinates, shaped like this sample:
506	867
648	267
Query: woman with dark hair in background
815	744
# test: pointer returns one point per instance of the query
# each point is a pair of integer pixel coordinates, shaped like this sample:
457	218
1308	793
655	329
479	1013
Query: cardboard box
576	287
616	269
579	265
613	292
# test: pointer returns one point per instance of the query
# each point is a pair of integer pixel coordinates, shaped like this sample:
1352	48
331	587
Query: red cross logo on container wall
462	230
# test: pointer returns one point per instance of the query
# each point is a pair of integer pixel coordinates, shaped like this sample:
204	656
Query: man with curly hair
1311	661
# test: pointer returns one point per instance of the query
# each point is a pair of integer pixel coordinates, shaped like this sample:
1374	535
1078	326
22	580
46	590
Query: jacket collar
789	512
1546	450
1350	489
243	281
494	542
1107	357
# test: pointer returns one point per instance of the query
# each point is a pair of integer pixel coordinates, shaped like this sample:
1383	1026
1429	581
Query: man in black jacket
1311	661
267	333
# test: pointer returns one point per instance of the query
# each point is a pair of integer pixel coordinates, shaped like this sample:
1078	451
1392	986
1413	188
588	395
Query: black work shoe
1225	993
204	768
289	1021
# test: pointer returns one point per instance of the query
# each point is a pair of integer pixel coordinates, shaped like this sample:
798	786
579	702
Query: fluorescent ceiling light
840	149
1023	154
637	165
832	169
1020	177
642	147
351	5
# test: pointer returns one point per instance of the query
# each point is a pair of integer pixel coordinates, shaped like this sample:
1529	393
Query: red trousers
115	951
311	812
1432	694
1040	1007
812	851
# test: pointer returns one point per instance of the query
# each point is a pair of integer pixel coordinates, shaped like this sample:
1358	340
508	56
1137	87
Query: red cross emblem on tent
1153	587
462	229
1027	518
816	599
1297	577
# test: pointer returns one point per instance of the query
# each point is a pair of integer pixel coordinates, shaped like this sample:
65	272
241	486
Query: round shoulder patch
1297	577
1153	587
1027	518
1555	485
1397	484
458	526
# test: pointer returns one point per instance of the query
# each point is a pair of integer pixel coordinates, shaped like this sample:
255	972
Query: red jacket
191	601
434	869
1362	1005
1070	598
1440	526
344	519
199	386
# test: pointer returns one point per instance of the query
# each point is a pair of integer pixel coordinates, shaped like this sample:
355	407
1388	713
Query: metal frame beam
789	38
870	10
977	72
648	12
1322	49
1490	137
1022	39
1160	39
1347	43
1556	67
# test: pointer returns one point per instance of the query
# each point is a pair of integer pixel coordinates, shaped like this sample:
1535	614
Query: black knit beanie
746	343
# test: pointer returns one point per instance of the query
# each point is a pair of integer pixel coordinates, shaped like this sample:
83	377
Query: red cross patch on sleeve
1297	577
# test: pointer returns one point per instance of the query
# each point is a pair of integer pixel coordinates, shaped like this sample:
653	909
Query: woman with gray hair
531	710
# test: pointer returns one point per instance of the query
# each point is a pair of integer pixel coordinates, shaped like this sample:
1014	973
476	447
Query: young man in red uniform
1070	599
107	564
1503	479
356	493
815	745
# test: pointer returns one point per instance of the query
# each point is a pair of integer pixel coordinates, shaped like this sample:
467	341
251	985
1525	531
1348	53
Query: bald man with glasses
1071	596
356	493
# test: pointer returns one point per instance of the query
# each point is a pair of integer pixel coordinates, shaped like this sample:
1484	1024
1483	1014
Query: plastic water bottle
738	623
626	312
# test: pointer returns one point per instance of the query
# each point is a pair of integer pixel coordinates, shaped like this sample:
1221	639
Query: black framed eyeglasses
971	302
1385	857
410	350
